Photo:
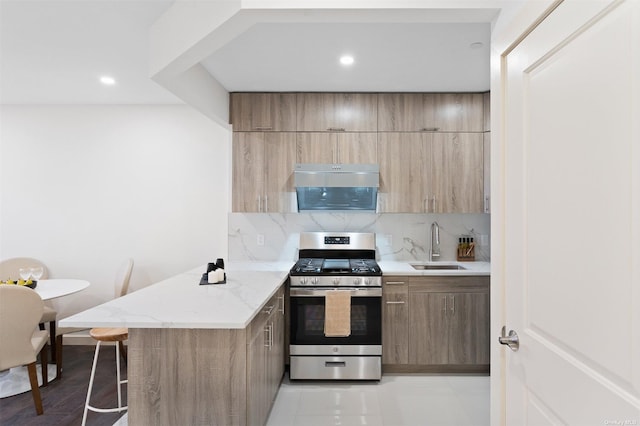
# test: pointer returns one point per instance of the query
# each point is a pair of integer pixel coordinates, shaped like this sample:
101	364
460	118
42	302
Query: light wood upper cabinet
456	182
263	112
351	112
432	148
431	172
406	112
459	112
487	152
486	110
248	171
336	148
357	148
486	170
280	160
404	161
263	171
443	112
315	147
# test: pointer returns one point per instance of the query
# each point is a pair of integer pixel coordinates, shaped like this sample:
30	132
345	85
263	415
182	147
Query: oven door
307	323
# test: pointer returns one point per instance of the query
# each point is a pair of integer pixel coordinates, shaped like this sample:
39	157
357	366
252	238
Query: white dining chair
20	310
119	335
10	268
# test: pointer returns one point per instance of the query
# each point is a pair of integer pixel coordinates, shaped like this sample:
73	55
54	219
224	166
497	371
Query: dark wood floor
63	400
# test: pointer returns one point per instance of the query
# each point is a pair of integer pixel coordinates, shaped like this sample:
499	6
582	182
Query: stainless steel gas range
331	262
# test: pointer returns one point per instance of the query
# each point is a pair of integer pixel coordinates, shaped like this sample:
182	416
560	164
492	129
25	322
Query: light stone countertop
179	302
405	268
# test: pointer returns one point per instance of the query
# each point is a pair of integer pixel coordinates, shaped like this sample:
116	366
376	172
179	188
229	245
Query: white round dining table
58	287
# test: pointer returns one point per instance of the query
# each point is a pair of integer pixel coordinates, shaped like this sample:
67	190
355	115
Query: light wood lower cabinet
265	359
443	326
207	376
395	320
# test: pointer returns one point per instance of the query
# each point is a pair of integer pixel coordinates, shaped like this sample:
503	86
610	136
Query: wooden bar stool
106	335
113	334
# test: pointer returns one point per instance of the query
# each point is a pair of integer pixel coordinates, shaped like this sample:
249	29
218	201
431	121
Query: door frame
507	33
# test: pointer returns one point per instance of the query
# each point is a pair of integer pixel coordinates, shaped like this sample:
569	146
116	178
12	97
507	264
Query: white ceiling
53	52
389	57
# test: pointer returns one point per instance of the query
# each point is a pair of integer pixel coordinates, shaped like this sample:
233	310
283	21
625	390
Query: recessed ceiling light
476	45
346	60
107	81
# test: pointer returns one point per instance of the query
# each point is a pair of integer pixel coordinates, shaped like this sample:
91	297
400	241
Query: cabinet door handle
444	301
433	201
281	304
394	283
263	128
453	305
335	129
430	129
259	203
399	302
271	336
266	203
268	309
486	204
268	329
266	336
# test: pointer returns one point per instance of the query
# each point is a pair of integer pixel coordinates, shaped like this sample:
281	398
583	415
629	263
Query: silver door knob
510	340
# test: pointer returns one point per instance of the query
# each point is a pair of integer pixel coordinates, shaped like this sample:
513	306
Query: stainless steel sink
435	266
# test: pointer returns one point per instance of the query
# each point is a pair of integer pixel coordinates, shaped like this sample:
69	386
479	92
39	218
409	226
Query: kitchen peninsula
211	354
201	354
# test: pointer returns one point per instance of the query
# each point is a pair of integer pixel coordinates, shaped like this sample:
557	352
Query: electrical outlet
260	241
484	240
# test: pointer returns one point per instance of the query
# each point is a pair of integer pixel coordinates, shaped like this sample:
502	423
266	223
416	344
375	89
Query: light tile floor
401	400
395	401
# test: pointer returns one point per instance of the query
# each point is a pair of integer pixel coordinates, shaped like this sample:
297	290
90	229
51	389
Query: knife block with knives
466	249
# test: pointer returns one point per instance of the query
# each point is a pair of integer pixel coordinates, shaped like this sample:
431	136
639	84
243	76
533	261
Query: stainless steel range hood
337	187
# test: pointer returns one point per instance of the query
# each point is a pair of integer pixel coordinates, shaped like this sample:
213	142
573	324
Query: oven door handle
316	292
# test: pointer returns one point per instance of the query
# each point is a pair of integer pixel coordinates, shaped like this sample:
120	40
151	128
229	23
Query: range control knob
336	281
303	280
367	281
315	280
356	281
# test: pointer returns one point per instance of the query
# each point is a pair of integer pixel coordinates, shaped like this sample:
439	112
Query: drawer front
335	368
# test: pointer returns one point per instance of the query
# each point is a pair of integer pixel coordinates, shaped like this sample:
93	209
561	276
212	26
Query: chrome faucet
434	251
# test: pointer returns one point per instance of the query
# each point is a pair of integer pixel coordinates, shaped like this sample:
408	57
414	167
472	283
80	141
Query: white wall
83	187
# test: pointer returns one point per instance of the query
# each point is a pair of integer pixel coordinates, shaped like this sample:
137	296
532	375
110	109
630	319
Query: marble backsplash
402	237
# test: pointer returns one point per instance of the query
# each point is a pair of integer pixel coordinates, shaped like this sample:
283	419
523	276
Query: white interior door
571	110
